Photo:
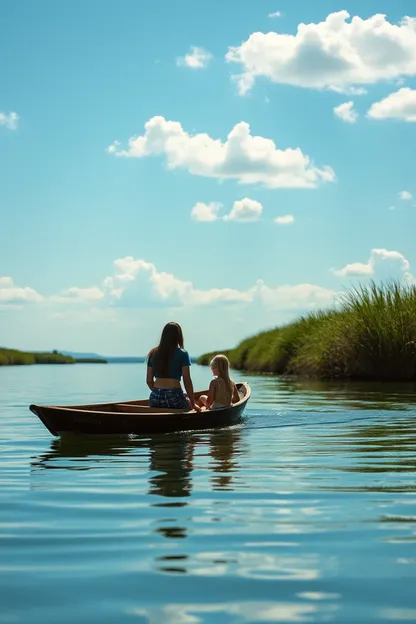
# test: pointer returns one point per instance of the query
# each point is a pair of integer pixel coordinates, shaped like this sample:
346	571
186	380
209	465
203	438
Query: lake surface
305	513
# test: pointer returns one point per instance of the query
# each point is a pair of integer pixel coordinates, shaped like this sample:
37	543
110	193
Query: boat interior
142	406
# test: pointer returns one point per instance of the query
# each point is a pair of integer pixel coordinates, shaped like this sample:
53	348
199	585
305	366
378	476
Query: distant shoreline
14	357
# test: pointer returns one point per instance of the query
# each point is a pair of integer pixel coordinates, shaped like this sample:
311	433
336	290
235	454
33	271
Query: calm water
306	513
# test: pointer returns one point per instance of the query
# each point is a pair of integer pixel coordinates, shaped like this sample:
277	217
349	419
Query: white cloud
205	212
292	297
242	157
197	58
9	120
138	284
12	294
136	281
285	220
398	105
346	112
405	195
349	90
334	54
355	269
275	14
80	295
245	210
382	264
113	149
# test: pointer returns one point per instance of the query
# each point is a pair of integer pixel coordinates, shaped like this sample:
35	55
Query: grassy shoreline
14	357
370	336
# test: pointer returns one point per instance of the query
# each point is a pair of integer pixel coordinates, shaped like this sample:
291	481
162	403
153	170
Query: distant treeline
90	360
370	336
10	357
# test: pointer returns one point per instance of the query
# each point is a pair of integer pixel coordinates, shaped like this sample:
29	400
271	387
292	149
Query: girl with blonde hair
222	390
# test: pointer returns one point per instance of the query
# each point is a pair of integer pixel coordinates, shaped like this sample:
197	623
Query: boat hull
135	417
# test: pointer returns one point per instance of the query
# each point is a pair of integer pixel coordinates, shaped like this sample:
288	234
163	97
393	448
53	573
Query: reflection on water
316	611
225	451
169	466
315	395
171	458
305	513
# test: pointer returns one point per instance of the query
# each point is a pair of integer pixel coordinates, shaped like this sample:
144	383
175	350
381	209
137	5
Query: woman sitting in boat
222	390
166	365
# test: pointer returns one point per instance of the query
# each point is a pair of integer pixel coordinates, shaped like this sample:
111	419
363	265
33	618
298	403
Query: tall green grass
370	335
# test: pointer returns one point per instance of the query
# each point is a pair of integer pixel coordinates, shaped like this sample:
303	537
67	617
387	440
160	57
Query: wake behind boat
137	417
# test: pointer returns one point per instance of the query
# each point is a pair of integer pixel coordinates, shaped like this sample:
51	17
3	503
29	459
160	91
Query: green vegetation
370	336
90	360
15	357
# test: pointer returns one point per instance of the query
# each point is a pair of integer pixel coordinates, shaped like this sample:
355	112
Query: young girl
222	390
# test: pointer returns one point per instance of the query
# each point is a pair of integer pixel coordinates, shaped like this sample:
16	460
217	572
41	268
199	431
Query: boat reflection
169	461
75	449
174	460
225	448
171	458
165	462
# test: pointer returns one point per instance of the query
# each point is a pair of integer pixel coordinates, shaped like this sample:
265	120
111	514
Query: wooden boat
136	417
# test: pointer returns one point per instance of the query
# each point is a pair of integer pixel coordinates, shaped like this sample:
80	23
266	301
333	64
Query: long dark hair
171	338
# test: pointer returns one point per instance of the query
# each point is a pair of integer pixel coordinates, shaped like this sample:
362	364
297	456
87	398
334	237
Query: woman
166	364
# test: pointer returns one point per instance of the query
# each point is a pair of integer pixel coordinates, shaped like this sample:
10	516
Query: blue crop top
179	359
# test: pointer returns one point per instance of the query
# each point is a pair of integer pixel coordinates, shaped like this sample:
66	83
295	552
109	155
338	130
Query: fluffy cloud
245	210
197	58
285	220
335	54
205	212
135	281
9	120
405	195
346	112
11	294
398	105
243	157
138	284
355	269
275	14
294	297
382	264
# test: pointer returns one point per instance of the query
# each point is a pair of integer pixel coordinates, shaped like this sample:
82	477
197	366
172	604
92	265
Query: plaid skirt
169	397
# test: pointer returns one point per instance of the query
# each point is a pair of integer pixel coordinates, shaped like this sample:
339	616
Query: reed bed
371	335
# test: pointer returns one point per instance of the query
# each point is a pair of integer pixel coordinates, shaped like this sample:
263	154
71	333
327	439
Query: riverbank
370	336
14	357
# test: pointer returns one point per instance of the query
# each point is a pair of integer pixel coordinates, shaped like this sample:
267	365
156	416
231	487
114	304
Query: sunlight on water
304	513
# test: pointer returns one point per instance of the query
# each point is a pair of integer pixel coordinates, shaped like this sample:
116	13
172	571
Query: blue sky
100	247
